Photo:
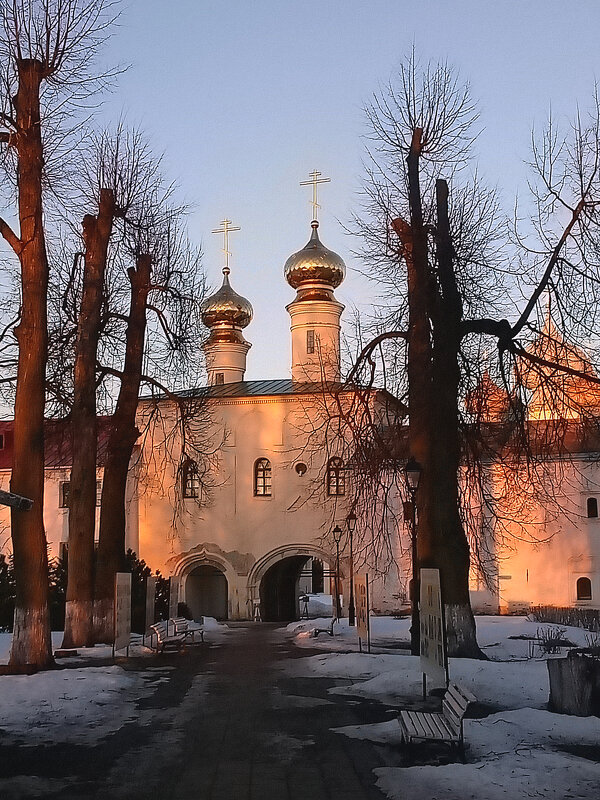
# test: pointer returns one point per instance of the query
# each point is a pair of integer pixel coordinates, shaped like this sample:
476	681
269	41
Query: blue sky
246	98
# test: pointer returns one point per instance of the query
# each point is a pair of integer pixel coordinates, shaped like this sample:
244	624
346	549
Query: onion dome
226	308
552	347
314	264
488	402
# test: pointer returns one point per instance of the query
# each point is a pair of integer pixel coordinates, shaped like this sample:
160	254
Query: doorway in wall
206	592
280	589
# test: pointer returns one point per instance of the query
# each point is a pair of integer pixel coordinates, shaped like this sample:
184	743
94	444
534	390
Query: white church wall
547	546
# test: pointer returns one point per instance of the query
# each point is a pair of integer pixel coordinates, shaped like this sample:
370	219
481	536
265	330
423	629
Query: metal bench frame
436	727
181	625
163	640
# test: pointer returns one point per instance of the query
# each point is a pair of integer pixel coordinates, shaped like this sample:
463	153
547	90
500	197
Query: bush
140	571
7	593
57	592
550	640
587	618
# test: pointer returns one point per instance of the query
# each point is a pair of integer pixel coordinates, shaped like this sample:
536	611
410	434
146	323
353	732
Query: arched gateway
224	585
274	581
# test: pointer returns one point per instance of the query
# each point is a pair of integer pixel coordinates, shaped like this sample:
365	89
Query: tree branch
11	237
368	349
554	365
532	302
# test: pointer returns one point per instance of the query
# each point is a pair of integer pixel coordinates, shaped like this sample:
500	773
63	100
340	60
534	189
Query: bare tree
165	286
117	173
47	48
446	270
97	230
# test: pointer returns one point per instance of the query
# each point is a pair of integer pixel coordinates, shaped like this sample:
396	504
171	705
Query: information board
150	601
361	602
174	589
433	642
122	610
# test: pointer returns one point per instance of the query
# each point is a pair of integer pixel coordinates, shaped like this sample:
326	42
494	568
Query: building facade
248	528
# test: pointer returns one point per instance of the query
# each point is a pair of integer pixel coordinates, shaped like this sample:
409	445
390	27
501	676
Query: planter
575	684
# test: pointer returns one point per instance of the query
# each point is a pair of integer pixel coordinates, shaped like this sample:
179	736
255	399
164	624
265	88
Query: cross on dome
314	181
226	228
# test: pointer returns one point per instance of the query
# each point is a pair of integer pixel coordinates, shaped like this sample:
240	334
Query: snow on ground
76	705
515	752
80	704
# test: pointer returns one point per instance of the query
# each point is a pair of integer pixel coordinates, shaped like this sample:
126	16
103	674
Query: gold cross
225	229
314	181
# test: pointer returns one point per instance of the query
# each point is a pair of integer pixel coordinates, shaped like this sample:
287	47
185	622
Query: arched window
592	507
584	589
336	479
190	479
262	478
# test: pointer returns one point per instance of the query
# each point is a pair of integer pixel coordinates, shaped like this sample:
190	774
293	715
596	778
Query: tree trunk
82	509
435	314
123	435
419	355
451	545
31	637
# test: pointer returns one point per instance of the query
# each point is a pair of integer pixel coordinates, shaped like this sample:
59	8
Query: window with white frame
64	494
262	478
190	480
336	479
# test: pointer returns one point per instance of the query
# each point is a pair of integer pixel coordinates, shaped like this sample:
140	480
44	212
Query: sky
246	98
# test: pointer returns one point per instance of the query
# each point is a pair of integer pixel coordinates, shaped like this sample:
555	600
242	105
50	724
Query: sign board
150	600
174	589
122	610
15	501
361	601
433	641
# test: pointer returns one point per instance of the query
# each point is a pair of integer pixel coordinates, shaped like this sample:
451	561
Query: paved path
265	736
228	724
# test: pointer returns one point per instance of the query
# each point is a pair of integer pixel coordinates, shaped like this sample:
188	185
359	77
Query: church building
259	513
263	533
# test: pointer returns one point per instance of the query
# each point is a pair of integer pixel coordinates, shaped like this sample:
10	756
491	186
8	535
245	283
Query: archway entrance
206	592
279	590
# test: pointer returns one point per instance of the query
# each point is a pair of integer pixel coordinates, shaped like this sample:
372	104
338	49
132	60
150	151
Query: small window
262	478
220	378
336	479
584	589
592	507
190	480
310	342
1	441
64	494
98	494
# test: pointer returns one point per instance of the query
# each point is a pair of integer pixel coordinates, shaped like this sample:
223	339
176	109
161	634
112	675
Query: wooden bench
181	625
435	727
328	631
165	640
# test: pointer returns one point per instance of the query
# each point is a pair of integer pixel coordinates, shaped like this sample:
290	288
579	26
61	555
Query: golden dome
314	264
226	307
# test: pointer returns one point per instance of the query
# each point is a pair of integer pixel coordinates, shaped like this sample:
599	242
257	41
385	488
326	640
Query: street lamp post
412	475
337	536
351	522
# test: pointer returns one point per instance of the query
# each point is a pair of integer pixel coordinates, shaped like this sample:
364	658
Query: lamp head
412	474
